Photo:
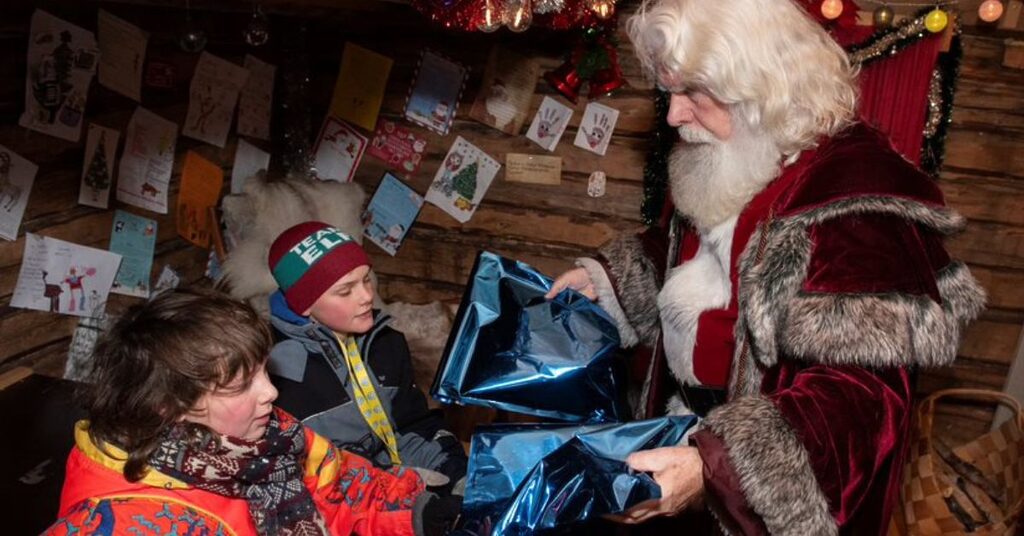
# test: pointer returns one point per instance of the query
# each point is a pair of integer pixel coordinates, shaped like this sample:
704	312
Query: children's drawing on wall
98	171
596	128
549	123
213	94
391	213
61	62
16	178
146	164
505	93
463	179
435	93
62	277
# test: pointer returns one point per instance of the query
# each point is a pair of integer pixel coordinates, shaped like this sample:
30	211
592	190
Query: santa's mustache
691	134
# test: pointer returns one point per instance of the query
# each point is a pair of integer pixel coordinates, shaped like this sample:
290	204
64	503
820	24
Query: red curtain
894	93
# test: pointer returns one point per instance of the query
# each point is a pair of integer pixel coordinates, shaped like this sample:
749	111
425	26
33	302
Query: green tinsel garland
878	46
656	166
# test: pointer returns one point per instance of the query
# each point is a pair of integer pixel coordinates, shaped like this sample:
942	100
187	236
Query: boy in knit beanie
338	366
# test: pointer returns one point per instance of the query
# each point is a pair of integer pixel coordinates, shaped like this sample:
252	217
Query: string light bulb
831	9
518	15
883	17
490	17
604	9
990	10
936	20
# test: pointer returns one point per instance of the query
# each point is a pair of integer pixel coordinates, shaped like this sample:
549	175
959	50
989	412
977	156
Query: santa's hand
680	473
577	279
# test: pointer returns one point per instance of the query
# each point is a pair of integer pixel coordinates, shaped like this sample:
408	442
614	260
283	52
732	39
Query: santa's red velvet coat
841	288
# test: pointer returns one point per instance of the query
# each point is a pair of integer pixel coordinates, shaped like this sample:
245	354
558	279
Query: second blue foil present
511	349
551	479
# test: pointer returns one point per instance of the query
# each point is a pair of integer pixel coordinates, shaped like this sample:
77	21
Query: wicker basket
975	488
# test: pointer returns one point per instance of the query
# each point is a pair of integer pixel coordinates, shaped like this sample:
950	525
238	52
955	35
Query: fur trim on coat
773	467
636	281
873	330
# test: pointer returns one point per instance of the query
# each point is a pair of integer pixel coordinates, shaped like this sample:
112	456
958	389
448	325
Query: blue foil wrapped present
512	349
548	478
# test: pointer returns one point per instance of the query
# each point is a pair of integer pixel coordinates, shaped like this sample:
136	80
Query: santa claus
802	283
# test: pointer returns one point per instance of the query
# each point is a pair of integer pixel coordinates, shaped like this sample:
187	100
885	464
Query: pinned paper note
168	279
549	123
201	182
434	96
462	180
255	103
596	128
16	177
533	168
338	151
98	169
249	160
359	88
61	62
134	238
62	277
122	55
145	172
401	148
212	98
596	184
391	213
505	93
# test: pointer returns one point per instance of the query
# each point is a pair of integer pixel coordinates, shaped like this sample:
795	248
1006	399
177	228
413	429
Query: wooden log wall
543	225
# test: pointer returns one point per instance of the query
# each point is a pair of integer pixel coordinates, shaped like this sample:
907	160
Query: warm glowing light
990	10
832	9
490	17
604	9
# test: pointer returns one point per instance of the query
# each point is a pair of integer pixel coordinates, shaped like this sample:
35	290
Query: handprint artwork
597	131
549	123
596	128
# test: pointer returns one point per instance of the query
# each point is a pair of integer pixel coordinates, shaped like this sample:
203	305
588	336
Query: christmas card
134	239
62	277
98	171
359	89
506	91
122	54
390	214
338	150
212	98
254	105
61	61
434	96
398	146
549	123
462	180
596	128
145	171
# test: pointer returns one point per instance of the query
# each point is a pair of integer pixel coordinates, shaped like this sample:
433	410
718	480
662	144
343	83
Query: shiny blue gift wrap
525	479
511	349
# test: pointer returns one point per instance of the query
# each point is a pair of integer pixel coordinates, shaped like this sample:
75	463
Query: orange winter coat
352	496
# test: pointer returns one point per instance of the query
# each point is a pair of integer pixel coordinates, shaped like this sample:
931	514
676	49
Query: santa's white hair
767	59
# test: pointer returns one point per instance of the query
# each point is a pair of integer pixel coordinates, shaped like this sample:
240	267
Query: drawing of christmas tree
465	181
98	176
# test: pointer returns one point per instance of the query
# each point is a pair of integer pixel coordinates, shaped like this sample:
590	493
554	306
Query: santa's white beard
712	180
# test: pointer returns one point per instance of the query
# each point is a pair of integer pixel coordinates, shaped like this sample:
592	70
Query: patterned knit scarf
267	473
